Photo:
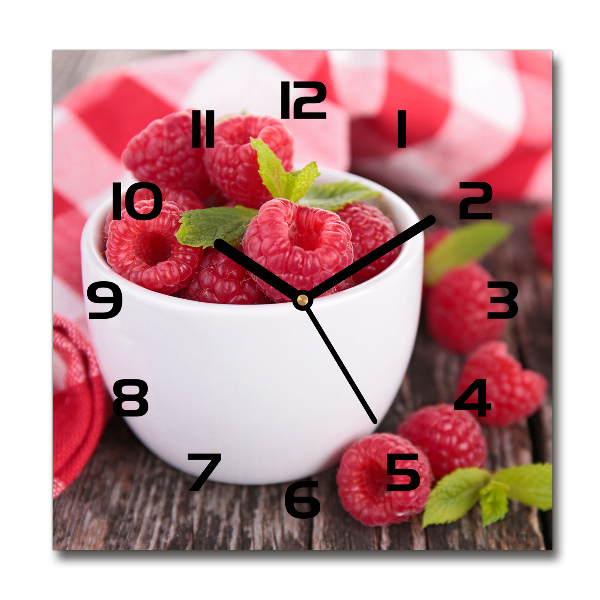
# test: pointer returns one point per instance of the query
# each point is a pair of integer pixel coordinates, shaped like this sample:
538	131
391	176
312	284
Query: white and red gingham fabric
471	116
80	406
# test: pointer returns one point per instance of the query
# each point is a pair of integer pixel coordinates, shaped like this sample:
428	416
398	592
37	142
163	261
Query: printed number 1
401	129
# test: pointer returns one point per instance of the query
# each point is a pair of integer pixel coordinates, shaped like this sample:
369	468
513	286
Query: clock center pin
302	300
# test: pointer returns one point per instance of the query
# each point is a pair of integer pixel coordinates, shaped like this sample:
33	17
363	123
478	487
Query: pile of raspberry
300	244
438	439
442	438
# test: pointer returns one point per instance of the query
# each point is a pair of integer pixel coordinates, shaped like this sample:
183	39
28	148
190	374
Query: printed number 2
300	102
486	188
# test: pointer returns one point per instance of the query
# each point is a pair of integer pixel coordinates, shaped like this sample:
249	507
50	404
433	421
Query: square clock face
311	299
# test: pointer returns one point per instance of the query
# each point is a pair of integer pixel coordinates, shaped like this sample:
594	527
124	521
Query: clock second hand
341	365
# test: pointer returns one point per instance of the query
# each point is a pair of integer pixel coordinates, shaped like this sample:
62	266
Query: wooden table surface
127	498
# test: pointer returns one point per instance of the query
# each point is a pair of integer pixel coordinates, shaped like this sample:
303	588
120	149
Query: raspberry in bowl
254	382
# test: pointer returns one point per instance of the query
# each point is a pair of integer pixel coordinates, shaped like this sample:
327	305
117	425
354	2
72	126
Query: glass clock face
265	395
300	300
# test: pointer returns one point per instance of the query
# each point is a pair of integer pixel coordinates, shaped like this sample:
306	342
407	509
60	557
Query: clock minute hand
251	265
372	256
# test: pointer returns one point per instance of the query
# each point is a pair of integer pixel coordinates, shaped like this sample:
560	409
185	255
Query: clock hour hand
253	267
341	365
372	256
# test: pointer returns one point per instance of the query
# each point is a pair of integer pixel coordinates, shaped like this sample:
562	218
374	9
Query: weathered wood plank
506	446
125	498
533	330
232	517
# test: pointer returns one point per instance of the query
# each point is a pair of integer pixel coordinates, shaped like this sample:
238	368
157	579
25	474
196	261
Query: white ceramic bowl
256	383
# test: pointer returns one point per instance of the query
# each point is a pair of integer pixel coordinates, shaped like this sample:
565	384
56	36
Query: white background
30	568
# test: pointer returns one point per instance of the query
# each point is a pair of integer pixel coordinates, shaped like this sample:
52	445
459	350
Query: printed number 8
138	397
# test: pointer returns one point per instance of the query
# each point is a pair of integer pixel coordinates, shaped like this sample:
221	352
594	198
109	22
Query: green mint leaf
529	484
463	245
494	502
277	180
300	181
203	226
339	188
454	495
334	196
274	176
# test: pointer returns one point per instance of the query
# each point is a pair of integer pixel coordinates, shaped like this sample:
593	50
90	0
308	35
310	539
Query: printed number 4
481	406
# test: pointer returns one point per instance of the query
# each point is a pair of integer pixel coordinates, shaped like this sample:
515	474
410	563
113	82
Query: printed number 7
214	459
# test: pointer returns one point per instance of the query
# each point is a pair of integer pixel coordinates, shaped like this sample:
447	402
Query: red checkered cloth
471	116
80	406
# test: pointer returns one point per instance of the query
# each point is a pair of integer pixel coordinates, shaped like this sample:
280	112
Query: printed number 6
291	500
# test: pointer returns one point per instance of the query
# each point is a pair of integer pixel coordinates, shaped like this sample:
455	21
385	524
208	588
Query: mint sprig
298	187
529	484
494	502
334	196
471	242
201	227
281	183
456	493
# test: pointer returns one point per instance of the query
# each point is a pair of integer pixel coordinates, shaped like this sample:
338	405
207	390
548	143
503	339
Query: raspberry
514	393
541	234
233	164
302	245
362	481
148	253
220	200
457	309
163	154
185	199
345	285
370	228
222	281
452	439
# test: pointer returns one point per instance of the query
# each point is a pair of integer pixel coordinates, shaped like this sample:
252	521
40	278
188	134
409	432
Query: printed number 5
415	478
